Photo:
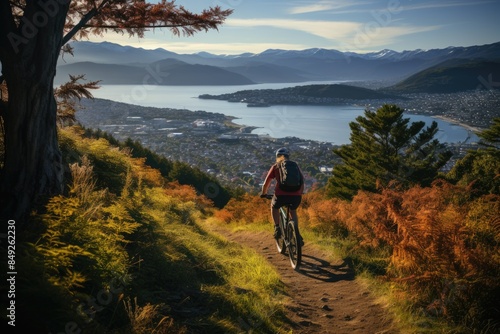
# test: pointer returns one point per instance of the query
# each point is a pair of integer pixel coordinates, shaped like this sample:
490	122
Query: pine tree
480	169
491	137
385	147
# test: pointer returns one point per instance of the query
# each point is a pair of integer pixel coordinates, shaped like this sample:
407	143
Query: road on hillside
323	296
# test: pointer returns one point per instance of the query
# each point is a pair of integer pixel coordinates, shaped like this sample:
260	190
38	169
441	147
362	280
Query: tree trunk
32	168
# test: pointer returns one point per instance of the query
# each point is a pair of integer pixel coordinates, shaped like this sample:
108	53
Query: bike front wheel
294	246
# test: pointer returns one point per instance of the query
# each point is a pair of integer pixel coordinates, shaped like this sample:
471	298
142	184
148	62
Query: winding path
324	296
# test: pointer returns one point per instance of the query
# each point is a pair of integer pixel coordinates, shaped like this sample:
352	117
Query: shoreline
455	122
240	127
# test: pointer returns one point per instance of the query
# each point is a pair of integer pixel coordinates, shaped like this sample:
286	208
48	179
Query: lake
319	123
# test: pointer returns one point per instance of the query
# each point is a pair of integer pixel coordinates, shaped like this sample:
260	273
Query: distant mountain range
116	64
163	72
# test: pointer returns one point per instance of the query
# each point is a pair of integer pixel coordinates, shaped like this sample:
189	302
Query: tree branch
85	19
179	25
136	17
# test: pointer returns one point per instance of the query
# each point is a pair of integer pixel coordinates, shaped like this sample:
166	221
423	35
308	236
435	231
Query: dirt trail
324	295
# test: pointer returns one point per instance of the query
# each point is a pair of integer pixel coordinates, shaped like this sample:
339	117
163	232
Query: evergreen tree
491	136
385	147
480	169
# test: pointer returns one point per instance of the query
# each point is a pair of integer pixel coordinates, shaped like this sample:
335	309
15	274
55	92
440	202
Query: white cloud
325	29
342	35
373	37
433	5
361	36
319	6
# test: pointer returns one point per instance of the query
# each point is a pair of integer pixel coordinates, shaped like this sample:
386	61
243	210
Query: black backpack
290	177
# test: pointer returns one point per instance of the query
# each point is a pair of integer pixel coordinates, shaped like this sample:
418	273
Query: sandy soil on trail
324	295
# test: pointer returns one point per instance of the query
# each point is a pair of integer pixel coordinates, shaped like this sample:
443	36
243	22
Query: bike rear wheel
294	246
280	242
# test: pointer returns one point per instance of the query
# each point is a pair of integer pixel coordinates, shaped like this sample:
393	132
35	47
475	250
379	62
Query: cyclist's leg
275	214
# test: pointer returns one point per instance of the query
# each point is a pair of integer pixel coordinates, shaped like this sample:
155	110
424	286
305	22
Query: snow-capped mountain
277	65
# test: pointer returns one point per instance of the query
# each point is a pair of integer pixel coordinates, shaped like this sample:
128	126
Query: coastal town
237	157
207	141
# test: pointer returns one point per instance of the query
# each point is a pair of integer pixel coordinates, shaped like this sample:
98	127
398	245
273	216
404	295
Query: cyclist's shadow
320	269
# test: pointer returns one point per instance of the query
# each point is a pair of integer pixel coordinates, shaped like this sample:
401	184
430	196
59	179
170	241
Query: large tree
385	147
32	35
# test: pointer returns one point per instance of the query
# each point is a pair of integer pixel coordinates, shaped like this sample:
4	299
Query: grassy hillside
170	170
123	252
431	253
451	77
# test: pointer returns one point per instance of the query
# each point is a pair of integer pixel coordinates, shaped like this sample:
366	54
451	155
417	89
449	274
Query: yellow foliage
152	177
86	224
248	209
119	219
187	193
147	319
224	216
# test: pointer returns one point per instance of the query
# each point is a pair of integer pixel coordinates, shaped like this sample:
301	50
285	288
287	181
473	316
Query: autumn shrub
224	215
438	243
110	164
90	225
124	251
445	250
245	210
187	193
322	215
81	251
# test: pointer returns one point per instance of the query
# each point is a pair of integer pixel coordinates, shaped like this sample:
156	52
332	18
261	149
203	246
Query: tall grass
122	251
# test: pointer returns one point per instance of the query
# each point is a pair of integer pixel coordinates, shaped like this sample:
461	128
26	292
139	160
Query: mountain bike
289	238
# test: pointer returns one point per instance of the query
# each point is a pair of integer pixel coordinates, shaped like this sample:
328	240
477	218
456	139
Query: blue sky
356	26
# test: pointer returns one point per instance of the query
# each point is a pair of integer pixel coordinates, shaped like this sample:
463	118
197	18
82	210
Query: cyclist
281	197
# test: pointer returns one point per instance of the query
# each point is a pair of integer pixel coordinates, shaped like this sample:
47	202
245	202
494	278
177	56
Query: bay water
318	123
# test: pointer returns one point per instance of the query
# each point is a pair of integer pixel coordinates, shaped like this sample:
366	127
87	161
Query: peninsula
325	94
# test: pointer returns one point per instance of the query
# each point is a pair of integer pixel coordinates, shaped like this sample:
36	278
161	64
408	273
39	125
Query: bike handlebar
266	196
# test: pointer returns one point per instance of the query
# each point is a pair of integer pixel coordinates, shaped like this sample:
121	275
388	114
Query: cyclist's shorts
278	201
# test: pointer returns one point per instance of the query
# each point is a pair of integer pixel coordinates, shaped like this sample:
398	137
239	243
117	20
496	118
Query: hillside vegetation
123	252
310	94
450	77
435	245
431	252
171	170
